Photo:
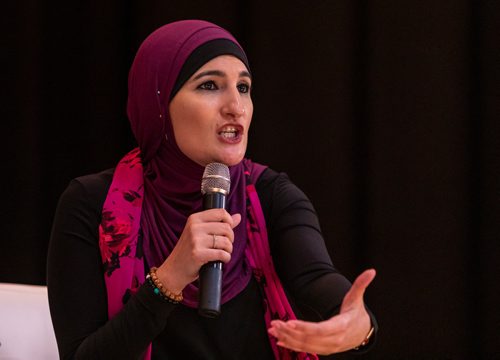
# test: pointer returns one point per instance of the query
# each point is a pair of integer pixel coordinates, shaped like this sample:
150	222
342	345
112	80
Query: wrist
160	289
367	338
169	280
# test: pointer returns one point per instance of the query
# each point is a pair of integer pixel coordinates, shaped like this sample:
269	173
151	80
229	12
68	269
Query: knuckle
320	331
192	219
221	213
226	257
229	231
190	229
343	325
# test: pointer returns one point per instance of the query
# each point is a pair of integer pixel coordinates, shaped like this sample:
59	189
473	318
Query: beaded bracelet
160	290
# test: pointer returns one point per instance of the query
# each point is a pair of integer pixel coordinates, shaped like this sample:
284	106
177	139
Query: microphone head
216	178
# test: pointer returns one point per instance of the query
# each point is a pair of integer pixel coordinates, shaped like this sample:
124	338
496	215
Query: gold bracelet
159	289
366	340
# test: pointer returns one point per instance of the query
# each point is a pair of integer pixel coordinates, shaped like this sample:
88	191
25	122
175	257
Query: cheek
188	120
249	117
248	106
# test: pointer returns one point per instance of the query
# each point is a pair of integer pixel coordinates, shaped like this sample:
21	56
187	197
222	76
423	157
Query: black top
77	293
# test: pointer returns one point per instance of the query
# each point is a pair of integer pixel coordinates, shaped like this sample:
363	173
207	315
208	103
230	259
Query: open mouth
229	133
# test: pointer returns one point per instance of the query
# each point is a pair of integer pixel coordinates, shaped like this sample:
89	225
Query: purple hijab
171	179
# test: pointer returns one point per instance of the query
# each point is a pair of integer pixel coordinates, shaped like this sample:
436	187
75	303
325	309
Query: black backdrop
384	113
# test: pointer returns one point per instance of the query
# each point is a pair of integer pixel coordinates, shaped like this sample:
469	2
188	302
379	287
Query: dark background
384	112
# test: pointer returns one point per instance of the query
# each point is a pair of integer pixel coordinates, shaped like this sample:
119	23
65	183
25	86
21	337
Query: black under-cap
203	54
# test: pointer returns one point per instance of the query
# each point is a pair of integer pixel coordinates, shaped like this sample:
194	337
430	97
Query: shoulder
270	178
277	185
277	193
88	191
95	184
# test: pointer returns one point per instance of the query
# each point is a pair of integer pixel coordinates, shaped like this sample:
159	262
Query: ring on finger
215	239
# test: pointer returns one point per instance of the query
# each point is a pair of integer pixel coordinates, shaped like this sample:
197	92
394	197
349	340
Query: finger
236	220
218	228
335	325
217	255
220	242
222	229
202	255
306	336
213	215
355	294
365	278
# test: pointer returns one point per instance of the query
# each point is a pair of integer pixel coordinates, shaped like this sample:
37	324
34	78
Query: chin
231	160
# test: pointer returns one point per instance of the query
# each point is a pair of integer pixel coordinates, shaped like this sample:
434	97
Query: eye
208	85
243	88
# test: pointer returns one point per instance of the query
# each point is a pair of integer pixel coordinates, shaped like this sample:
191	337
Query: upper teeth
229	132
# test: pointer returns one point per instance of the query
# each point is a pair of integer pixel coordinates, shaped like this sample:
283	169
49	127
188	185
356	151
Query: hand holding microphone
215	186
207	238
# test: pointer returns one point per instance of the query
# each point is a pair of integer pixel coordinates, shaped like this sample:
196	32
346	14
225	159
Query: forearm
302	260
78	303
128	334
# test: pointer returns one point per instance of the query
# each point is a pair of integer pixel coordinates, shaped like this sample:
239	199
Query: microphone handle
210	278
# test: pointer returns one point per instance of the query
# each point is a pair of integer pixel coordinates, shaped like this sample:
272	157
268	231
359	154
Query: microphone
215	185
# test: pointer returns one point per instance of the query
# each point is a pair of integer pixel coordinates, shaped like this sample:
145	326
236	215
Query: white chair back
26	331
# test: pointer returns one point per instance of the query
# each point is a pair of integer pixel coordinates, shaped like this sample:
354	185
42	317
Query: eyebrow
243	73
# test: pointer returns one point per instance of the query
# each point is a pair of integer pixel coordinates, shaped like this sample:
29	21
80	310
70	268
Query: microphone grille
215	179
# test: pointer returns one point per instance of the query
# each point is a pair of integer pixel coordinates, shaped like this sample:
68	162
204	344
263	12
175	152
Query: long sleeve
77	293
298	249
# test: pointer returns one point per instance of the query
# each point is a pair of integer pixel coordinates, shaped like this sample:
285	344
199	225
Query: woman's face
212	111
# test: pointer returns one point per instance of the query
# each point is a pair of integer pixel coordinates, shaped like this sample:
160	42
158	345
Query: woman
127	244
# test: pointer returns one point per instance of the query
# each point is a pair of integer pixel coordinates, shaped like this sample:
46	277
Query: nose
233	104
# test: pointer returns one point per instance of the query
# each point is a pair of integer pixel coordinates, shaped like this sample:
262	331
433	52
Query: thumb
236	220
355	294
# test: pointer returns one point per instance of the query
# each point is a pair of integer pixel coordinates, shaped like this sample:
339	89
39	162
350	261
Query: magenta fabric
258	253
119	233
